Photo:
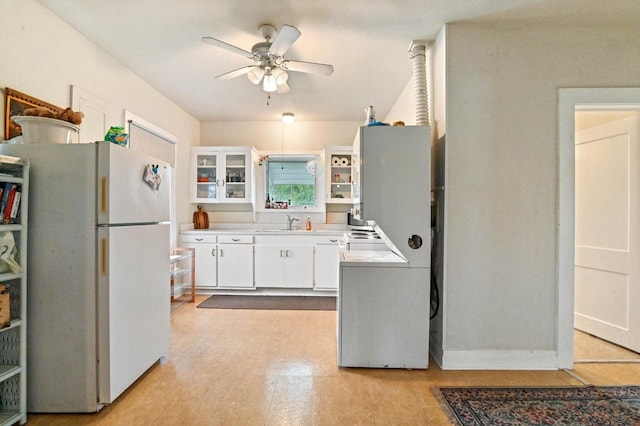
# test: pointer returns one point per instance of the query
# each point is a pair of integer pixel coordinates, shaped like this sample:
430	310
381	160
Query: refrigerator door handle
103	194
103	256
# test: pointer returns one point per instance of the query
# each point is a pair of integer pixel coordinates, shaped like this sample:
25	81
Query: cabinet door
235	265
206	264
269	263
237	177
298	267
327	267
206	177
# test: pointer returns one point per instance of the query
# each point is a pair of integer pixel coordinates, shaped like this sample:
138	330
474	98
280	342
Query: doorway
607	147
570	100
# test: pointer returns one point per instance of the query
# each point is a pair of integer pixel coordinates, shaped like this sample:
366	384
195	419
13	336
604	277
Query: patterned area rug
588	405
284	303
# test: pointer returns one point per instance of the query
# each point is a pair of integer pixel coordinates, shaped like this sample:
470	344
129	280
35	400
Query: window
288	180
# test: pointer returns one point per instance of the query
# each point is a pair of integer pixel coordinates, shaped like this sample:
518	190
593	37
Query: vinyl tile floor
245	367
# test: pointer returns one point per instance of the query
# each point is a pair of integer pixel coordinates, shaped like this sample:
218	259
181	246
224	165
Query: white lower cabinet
327	263
284	262
246	261
235	261
206	258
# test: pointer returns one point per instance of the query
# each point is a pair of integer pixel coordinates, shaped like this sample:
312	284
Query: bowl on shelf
45	130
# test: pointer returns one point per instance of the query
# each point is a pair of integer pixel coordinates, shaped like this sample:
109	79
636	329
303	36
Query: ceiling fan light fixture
280	76
255	75
269	84
288	118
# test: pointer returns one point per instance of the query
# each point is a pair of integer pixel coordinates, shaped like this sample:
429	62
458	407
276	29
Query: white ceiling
367	42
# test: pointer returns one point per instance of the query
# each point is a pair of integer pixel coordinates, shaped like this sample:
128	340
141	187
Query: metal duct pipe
418	50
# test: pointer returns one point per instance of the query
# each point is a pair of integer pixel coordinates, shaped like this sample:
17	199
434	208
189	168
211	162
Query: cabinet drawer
199	238
235	239
328	239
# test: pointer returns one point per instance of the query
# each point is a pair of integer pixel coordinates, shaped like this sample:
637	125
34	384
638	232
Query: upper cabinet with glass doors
221	174
339	171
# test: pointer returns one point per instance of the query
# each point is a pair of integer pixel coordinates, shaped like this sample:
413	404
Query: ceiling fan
271	67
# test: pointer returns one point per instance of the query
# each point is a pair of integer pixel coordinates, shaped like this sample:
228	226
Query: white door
124	197
327	268
607	232
298	267
235	265
206	264
133	304
269	265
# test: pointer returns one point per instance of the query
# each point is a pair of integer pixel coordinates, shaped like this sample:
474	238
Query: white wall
44	57
502	84
403	108
270	135
439	122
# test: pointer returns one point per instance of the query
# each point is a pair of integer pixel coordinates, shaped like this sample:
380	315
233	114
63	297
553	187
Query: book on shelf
5	197
10	202
16	206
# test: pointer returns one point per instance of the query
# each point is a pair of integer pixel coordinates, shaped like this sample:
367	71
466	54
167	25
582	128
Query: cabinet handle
199	239
334	241
213	252
281	253
286	252
221	253
235	239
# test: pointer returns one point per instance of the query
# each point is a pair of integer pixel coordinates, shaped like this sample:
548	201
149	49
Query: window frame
263	187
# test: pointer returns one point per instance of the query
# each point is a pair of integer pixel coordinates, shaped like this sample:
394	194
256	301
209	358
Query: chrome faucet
290	221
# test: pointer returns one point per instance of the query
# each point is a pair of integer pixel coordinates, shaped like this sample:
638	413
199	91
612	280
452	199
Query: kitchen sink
280	230
319	231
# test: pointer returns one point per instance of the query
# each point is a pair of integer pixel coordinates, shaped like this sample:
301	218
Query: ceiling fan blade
310	67
283	88
236	73
228	47
284	39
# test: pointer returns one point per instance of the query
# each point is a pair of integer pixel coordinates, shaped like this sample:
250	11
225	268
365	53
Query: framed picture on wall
15	104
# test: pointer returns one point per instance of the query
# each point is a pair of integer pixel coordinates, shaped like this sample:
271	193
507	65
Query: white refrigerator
98	290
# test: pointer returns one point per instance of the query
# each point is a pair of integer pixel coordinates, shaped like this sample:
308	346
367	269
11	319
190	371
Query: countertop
267	229
371	258
389	256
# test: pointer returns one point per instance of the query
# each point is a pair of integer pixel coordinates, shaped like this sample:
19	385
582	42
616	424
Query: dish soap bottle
308	223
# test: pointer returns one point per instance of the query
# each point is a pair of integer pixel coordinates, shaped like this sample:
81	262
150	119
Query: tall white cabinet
14	173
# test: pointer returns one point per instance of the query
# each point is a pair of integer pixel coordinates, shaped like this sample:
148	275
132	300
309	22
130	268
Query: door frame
570	99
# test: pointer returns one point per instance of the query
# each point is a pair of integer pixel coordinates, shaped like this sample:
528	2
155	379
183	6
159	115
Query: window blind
288	172
143	139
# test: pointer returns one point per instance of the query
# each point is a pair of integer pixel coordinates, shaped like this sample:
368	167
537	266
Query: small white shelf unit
13	338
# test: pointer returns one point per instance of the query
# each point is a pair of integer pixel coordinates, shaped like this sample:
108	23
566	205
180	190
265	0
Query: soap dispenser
308	223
